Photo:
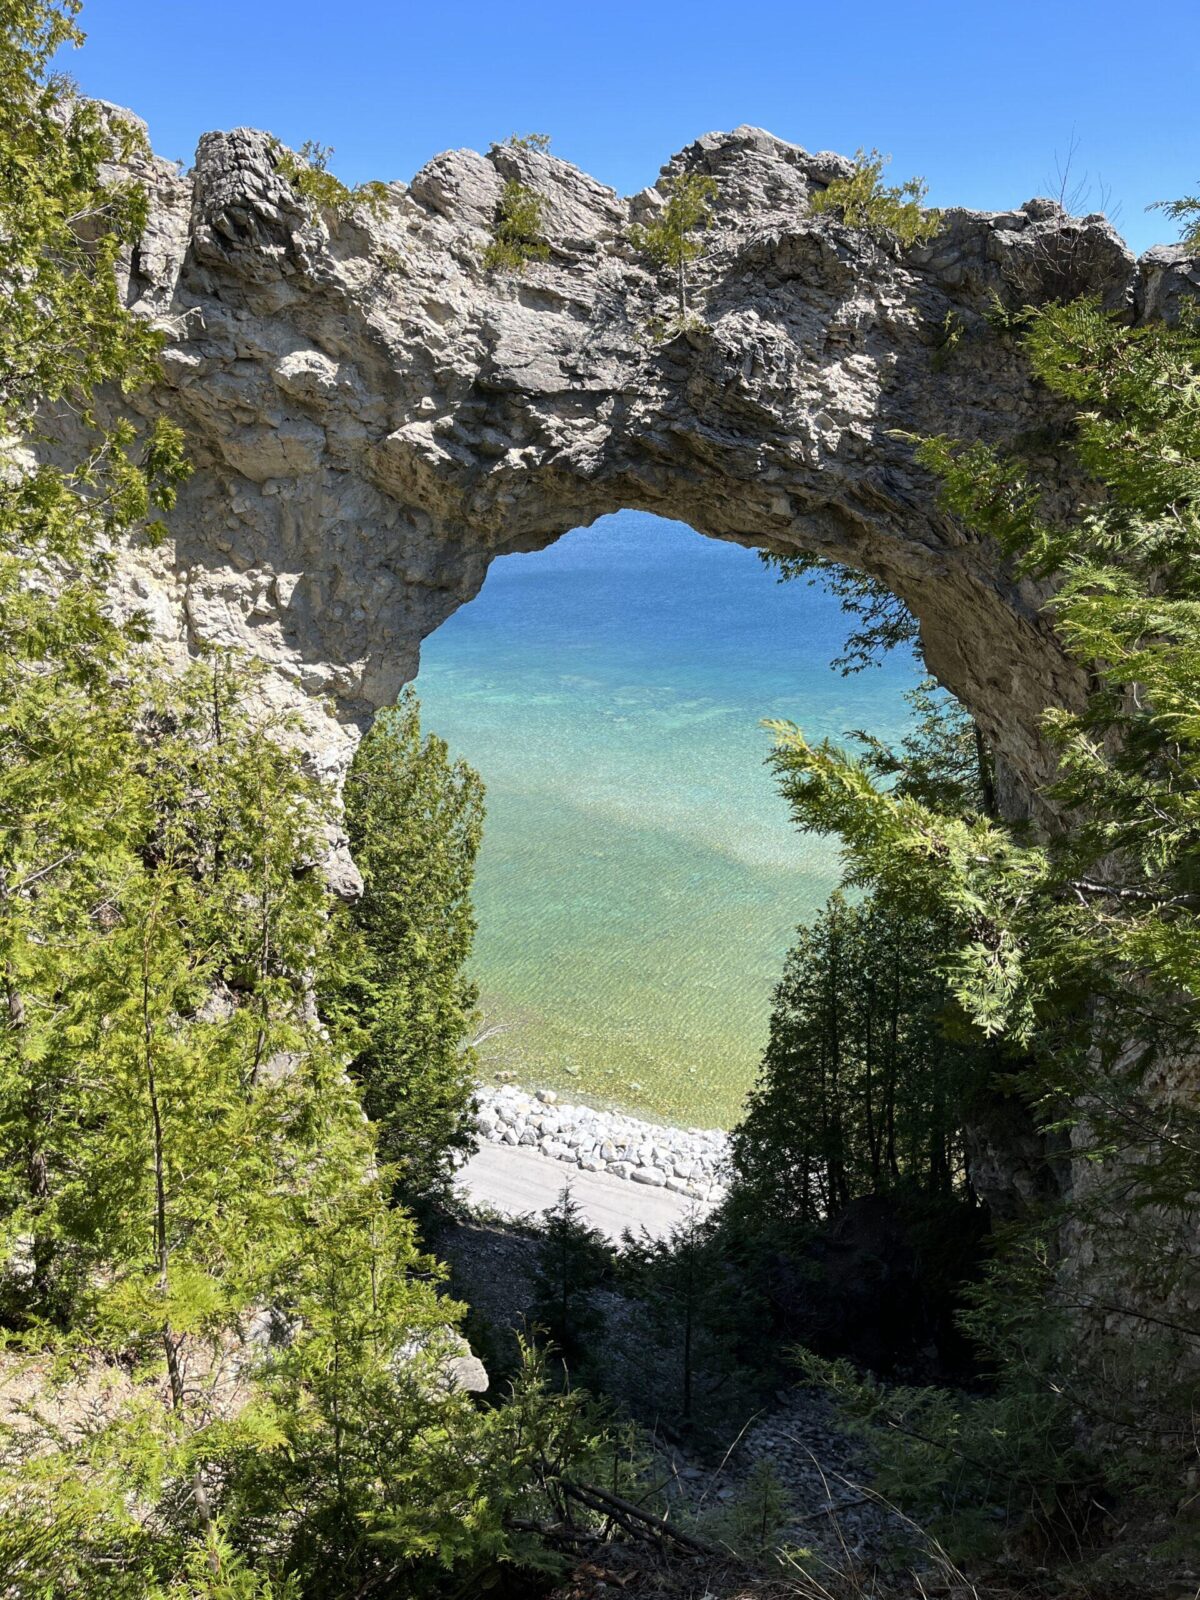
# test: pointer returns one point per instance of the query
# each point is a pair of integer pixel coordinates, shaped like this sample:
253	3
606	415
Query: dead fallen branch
639	1523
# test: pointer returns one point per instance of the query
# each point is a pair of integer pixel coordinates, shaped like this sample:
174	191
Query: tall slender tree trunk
689	1312
37	1166
987	782
171	1341
873	1143
836	1152
893	1164
264	958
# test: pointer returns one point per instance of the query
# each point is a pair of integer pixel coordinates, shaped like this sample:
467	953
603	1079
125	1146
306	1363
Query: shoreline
689	1161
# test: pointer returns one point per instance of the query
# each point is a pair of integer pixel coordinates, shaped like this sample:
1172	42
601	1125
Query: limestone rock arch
374	417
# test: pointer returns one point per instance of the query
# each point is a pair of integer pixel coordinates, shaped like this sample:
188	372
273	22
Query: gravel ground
688	1161
520	1183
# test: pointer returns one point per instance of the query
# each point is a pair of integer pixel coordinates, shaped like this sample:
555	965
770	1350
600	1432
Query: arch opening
640	881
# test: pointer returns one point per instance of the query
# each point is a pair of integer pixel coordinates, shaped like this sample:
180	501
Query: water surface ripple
639	880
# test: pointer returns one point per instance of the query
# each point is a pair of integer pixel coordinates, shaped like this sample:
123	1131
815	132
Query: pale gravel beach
516	1182
687	1161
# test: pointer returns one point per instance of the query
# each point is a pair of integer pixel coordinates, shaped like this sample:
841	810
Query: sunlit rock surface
373	417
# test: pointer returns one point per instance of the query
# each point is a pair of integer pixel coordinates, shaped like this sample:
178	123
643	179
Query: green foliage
886	623
1186	211
573	1260
942	760
220	1347
1125	608
367	1481
530	141
415	819
864	201
69	755
967	1469
860	1086
1080	949
869	1064
691	1302
952	331
517	238
752	1524
307	170
63	331
189	986
63	327
670	239
160	1237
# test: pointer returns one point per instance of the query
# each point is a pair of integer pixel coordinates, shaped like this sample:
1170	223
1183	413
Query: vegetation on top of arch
1187	211
864	201
325	195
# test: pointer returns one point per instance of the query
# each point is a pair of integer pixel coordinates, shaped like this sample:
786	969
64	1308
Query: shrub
864	201
307	170
517	239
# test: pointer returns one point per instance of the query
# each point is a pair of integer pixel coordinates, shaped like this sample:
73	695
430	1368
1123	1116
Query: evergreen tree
1079	950
862	1085
415	820
863	200
573	1260
225	1344
307	170
690	1298
519	236
670	240
67	755
942	761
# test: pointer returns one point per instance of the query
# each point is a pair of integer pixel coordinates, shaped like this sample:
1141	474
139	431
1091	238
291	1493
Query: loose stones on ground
691	1161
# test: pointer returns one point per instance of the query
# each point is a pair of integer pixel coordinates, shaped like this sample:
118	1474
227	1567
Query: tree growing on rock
1187	211
863	200
530	141
308	171
518	237
670	240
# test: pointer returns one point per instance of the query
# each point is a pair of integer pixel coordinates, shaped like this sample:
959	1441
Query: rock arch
373	417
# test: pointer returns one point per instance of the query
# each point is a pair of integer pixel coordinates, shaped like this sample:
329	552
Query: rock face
374	417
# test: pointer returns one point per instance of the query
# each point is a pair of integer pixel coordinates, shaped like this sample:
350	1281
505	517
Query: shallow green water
639	880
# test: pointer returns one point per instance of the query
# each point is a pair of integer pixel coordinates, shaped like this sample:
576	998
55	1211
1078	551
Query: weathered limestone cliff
373	416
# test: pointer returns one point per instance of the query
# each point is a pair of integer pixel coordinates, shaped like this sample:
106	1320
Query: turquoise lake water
639	881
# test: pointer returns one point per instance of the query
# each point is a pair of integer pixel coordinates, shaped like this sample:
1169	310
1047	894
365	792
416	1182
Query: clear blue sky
978	97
